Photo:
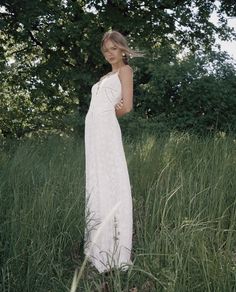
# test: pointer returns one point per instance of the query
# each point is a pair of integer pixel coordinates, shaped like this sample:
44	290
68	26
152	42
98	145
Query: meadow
184	199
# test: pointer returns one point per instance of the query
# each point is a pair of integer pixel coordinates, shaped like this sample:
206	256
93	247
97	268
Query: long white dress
108	212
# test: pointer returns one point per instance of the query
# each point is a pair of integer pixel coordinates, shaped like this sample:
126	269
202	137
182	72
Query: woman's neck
116	67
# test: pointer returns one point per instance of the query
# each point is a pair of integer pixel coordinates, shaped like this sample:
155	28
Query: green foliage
196	94
50	54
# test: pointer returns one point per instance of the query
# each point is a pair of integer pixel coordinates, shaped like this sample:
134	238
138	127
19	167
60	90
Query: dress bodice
106	93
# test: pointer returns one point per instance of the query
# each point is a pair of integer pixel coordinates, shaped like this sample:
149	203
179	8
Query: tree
55	46
197	93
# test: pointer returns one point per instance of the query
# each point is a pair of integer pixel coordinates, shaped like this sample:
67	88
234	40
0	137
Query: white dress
108	212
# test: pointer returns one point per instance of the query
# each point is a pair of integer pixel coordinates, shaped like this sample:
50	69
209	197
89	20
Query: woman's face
112	53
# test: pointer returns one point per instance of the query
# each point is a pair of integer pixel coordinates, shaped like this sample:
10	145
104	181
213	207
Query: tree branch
47	50
35	40
17	51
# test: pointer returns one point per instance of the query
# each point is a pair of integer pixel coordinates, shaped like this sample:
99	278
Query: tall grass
184	201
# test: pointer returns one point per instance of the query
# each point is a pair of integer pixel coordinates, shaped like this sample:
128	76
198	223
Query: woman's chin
113	61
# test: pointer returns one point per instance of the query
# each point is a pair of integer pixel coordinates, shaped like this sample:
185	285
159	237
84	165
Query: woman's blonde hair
121	42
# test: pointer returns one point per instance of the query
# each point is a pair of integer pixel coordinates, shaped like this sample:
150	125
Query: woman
108	232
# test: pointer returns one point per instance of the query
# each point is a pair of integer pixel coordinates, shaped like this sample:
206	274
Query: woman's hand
119	104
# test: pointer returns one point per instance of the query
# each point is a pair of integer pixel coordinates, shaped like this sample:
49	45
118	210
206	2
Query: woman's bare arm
126	79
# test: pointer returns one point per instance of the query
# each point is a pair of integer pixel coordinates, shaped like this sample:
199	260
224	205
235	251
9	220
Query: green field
184	197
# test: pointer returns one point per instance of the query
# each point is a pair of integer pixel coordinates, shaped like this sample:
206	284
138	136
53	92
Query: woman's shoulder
126	69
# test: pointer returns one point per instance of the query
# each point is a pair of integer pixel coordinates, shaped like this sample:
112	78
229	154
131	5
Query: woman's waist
97	109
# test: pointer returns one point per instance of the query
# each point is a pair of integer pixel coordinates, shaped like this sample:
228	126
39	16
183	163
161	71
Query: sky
228	46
